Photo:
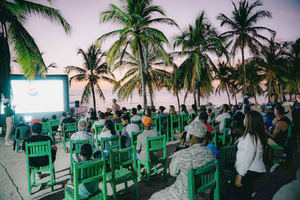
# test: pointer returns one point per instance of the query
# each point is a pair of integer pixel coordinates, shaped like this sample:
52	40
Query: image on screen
35	96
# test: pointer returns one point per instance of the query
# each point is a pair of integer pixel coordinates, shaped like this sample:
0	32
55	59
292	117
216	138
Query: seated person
108	113
81	134
163	117
139	109
269	117
134	116
141	138
17	134
148	112
90	120
172	110
203	116
124	111
85	190
63	116
194	112
101	121
54	128
279	135
37	137
211	115
193	157
117	117
127	130
220	118
183	109
68	119
238	117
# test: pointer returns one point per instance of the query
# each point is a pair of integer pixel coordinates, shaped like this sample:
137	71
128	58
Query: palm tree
92	72
13	15
196	43
223	74
156	78
244	31
136	19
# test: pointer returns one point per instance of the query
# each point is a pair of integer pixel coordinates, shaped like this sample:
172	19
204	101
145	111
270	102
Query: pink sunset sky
83	16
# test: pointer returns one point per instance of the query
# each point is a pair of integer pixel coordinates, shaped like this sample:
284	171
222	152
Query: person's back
225	115
127	130
68	119
101	121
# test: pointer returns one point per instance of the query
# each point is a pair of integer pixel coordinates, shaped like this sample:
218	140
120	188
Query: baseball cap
147	121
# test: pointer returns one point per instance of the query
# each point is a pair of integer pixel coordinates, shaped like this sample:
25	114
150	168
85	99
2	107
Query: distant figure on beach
9	118
115	107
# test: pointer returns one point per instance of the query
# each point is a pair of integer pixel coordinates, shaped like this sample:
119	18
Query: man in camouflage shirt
191	158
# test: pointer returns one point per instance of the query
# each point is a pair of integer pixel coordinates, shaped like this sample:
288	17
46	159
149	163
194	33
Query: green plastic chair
68	129
123	169
53	123
139	123
98	130
203	178
45	128
153	144
163	126
282	148
75	149
227	161
23	130
175	125
37	149
119	127
140	114
133	137
184	120
224	136
86	172
110	144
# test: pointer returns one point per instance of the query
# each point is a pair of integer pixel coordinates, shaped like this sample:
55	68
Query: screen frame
65	80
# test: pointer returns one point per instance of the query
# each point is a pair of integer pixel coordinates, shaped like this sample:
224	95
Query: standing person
249	158
141	138
9	118
193	157
127	130
220	118
115	107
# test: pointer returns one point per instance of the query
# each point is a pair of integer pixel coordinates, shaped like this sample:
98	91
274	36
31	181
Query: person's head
124	110
108	110
153	109
86	151
209	110
44	119
183	108
254	125
139	107
125	120
148	112
117	114
225	108
194	107
203	117
147	122
64	114
36	128
21	120
197	132
109	125
114	100
202	108
133	111
82	125
172	109
69	114
279	111
93	115
235	108
298	97
54	117
102	115
161	109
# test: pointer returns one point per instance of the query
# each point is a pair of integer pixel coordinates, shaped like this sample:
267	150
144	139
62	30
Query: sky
83	16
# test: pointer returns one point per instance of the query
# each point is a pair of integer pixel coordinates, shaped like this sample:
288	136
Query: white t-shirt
98	122
135	118
106	134
221	118
127	130
141	142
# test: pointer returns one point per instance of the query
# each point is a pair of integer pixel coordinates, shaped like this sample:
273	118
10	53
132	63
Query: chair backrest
154	144
110	144
87	172
163	124
45	128
37	149
133	137
122	157
203	178
185	119
23	130
140	114
69	127
289	132
139	123
119	127
175	120
54	122
75	145
227	123
98	129
227	155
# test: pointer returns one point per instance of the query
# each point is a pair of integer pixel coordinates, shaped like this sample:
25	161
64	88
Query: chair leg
29	183
17	145
113	187
148	173
165	170
137	194
139	170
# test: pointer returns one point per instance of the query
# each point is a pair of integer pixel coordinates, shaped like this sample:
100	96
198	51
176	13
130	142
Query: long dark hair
255	127
110	126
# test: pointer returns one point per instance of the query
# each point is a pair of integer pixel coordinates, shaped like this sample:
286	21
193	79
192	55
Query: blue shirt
214	150
269	118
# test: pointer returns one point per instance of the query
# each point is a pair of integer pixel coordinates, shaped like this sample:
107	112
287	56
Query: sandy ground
13	177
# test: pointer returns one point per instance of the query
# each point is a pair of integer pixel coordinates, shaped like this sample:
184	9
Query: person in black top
238	122
17	134
117	117
68	119
37	137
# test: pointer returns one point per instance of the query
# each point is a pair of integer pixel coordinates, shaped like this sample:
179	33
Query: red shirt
209	128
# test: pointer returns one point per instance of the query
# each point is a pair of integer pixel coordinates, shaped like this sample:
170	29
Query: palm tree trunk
244	68
185	96
94	98
198	93
142	66
235	99
195	99
228	95
178	100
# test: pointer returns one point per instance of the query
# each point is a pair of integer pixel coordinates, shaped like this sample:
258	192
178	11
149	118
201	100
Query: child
85	190
210	145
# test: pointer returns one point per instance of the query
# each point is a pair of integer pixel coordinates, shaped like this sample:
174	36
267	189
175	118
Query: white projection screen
39	96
